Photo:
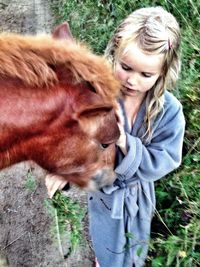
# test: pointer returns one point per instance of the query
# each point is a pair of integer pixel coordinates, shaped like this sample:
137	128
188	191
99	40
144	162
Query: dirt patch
25	224
25	16
24	221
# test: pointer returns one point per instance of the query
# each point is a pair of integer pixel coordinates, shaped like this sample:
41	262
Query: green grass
176	228
68	216
31	183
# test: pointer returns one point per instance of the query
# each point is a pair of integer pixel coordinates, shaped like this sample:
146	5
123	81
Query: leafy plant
68	216
178	198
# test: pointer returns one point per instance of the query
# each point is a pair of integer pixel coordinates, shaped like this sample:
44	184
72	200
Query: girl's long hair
156	31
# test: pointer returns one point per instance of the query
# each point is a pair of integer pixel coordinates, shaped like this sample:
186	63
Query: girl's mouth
129	91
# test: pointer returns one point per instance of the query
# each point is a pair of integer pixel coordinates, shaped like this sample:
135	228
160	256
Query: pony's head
58	101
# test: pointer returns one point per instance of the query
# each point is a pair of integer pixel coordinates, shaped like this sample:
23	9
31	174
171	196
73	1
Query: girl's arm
163	154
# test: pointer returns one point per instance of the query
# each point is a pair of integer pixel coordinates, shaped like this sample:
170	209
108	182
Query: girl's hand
54	183
120	121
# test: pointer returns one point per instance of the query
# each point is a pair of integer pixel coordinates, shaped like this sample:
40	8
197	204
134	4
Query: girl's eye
146	75
125	67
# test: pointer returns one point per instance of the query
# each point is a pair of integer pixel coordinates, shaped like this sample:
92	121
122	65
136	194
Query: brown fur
30	58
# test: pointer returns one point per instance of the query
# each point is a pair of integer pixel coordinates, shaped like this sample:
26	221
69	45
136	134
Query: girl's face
138	71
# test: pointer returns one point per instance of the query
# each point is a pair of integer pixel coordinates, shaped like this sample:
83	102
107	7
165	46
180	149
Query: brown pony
56	107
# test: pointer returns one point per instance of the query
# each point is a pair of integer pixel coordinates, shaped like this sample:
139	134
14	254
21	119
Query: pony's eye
104	146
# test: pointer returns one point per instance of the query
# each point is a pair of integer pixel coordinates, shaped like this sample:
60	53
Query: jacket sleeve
161	156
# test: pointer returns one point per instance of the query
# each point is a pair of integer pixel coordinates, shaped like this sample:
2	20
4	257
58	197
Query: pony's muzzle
101	178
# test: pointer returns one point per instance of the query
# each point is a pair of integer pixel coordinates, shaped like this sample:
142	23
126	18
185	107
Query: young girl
144	52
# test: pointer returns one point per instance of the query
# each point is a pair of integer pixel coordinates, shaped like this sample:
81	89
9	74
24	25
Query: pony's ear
94	121
94	111
62	31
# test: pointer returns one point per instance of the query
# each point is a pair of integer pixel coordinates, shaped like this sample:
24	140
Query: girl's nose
131	81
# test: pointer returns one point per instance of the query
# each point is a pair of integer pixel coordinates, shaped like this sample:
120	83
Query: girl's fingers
54	183
119	115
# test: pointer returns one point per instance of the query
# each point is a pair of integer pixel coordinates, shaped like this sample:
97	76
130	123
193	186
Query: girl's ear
62	31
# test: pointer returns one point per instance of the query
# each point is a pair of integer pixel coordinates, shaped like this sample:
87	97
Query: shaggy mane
30	58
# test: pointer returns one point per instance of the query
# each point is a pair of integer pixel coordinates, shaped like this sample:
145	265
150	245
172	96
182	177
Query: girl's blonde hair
155	31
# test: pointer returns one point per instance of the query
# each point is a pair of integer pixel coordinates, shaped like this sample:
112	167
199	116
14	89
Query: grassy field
176	226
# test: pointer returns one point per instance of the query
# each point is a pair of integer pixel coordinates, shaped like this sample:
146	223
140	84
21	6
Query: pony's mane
30	58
